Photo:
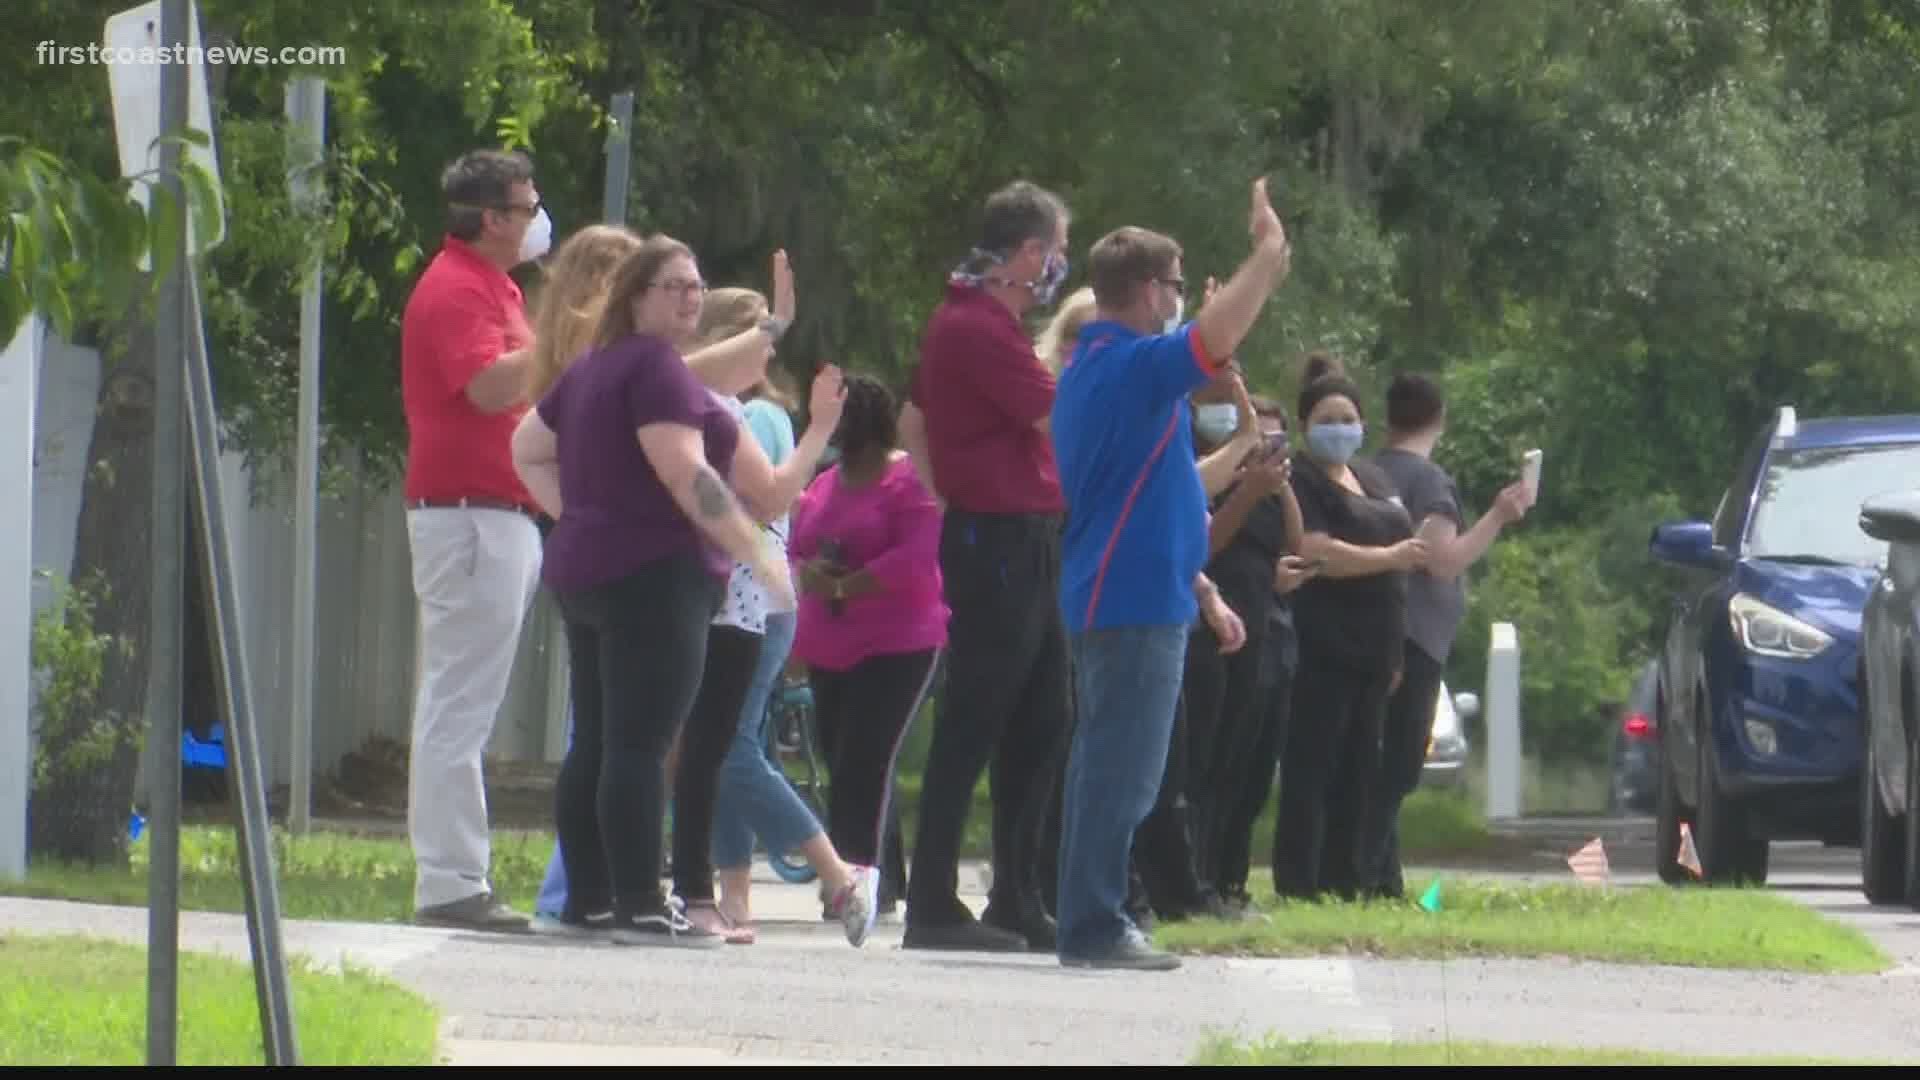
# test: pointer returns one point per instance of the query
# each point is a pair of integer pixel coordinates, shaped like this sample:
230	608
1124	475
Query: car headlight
1768	631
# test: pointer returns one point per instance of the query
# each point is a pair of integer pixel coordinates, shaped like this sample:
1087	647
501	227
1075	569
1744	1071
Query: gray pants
474	574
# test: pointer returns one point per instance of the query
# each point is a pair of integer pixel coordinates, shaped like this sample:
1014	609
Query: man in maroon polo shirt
976	425
476	552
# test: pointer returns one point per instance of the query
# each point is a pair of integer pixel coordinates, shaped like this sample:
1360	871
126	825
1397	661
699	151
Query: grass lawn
70	1000
1717	928
1332	1052
323	875
334	875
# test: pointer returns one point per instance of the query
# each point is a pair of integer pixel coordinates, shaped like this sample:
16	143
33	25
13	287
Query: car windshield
1809	505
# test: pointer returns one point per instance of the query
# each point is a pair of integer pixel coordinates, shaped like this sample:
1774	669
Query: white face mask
1173	320
1216	423
538	238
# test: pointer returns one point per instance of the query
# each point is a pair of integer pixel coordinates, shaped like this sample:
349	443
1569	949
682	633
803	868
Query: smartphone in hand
1530	473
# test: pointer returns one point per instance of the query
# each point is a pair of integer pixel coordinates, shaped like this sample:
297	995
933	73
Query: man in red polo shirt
476	551
976	426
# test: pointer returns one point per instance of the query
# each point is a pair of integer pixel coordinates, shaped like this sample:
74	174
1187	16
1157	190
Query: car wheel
1667	813
1729	852
1883	848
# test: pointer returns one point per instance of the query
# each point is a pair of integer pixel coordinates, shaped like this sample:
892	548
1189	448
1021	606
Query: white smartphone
1530	472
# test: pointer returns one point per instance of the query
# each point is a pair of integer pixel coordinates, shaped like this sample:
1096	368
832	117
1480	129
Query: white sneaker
858	904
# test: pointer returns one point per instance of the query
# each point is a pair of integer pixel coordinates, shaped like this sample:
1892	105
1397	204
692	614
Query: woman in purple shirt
632	457
866	548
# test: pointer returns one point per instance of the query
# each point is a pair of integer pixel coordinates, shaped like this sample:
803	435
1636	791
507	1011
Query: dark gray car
1636	747
1890	703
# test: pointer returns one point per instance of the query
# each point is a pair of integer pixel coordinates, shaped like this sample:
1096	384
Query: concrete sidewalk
801	995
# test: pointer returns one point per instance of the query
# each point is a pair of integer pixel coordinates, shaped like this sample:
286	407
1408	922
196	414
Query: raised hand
829	396
1265	224
783	301
1513	502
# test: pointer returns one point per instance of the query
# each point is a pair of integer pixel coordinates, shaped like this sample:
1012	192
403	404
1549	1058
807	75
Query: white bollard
1503	724
19	378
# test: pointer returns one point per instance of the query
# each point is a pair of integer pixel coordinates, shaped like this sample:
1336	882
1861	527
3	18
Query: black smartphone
1276	446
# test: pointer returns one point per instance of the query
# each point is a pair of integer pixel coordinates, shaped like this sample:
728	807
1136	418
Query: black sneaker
559	924
669	929
968	936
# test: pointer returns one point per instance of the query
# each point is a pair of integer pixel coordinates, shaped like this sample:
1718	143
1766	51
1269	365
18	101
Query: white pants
474	574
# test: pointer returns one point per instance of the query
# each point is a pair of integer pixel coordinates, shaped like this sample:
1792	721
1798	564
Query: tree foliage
1625	230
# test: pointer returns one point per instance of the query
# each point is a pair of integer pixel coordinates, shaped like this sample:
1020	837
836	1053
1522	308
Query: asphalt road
802	995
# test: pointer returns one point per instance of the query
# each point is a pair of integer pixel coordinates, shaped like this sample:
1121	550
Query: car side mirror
1466	704
1893	517
1688	543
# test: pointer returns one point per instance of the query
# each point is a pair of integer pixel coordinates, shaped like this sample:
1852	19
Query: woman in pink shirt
866	553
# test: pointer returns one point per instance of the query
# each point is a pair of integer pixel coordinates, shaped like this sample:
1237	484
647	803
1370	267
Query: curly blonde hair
571	298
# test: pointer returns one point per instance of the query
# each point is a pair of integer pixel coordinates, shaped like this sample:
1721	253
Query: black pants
1224	722
1329	769
732	656
1256	782
1006	704
636	647
1403	753
863	715
1163	851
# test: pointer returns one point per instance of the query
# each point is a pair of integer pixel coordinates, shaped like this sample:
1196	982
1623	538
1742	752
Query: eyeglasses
680	288
1178	283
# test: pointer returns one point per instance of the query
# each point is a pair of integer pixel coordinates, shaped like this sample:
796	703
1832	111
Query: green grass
1713	928
345	876
1278	1051
69	1000
323	875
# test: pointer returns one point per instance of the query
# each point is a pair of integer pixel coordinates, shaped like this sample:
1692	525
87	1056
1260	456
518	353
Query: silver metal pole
613	205
167	546
236	685
306	113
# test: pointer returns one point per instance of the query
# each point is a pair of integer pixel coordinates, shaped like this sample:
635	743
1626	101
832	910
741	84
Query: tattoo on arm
711	494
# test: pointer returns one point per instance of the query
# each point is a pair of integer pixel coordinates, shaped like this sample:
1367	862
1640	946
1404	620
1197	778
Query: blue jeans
553	888
755	797
1127	683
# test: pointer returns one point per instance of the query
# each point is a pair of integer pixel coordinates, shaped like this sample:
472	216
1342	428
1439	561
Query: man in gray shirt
1436	601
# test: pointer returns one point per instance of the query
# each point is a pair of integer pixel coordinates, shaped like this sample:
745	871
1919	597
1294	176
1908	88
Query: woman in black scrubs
1351	623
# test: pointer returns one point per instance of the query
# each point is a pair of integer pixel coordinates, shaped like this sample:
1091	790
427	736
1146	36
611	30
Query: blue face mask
1335	444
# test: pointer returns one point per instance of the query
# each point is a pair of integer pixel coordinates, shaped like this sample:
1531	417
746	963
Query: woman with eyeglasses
638	464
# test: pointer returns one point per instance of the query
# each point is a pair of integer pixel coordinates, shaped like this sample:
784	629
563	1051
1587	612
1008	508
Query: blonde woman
1057	340
714	731
566	311
567	305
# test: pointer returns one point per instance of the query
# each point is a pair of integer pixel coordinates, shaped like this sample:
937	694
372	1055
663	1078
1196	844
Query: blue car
1757	702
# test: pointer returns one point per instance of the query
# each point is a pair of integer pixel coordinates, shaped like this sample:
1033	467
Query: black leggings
732	656
1328	771
636	646
1256	779
863	714
1224	721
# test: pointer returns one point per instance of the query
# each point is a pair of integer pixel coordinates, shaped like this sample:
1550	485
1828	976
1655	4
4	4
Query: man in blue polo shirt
1134	544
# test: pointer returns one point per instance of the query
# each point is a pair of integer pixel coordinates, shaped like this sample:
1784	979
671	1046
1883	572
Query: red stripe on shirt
1126	509
1200	354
